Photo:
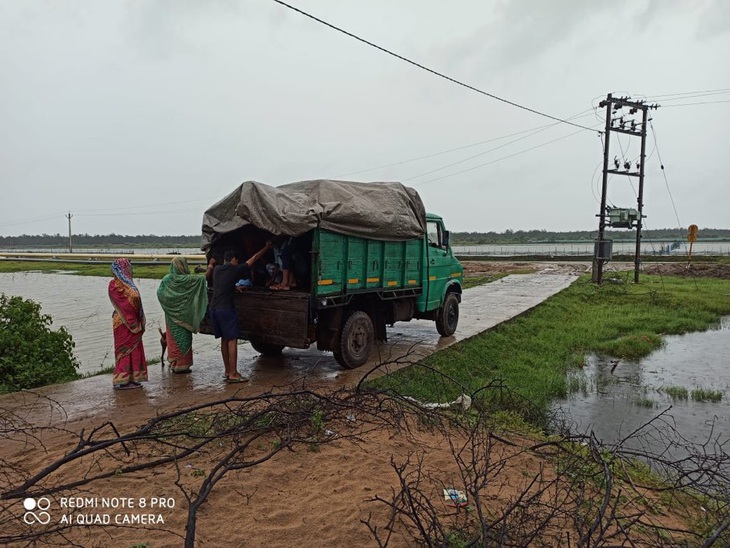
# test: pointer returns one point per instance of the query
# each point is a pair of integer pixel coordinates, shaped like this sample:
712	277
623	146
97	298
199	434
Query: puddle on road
613	404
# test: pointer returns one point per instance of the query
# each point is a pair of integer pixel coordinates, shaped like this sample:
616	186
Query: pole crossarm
628	173
627	131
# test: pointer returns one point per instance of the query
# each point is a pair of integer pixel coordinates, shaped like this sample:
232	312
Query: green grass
92	268
644	401
704	394
530	355
676	392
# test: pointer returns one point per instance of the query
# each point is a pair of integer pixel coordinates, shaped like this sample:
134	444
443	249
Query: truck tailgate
272	317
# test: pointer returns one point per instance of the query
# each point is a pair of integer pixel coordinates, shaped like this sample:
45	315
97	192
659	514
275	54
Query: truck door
438	262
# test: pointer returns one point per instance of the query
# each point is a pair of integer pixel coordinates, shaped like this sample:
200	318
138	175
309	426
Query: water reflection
81	304
614	398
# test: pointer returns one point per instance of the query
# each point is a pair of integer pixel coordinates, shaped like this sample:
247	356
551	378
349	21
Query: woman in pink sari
128	321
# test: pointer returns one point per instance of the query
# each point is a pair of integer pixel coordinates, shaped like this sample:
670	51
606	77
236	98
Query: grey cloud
714	20
513	36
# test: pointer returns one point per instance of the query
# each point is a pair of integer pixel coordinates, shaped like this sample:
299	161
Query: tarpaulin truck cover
380	211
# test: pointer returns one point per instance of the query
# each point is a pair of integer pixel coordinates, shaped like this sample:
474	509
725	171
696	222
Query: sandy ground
319	489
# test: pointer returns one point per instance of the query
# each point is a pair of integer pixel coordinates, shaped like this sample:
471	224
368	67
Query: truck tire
448	316
267	349
355	341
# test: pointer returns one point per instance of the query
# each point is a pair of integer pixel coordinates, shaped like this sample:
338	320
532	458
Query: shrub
31	353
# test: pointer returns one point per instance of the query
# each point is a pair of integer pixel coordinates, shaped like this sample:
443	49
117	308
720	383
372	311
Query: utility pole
70	245
621	218
598	252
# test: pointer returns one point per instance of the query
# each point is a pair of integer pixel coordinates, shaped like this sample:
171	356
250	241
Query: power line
99	211
498	159
427	156
30	221
456	149
666	182
699	93
697	103
423	67
158	212
476	155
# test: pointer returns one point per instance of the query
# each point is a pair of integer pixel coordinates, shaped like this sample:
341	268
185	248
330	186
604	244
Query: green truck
367	255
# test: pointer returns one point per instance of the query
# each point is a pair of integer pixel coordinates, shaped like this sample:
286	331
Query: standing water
81	304
615	398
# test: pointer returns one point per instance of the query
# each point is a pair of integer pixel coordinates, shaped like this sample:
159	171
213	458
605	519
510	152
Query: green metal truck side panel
329	262
393	267
413	274
346	263
355	275
374	264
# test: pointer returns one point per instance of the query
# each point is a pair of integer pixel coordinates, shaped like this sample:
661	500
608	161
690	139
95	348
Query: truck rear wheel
355	341
267	349
448	316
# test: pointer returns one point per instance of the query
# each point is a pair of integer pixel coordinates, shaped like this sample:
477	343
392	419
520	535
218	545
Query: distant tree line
87	240
540	236
457	238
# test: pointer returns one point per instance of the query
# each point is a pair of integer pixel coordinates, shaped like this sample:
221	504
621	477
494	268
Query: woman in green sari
183	297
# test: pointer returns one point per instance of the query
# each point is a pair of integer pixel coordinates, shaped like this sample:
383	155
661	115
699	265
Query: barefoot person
184	299
283	257
223	311
128	323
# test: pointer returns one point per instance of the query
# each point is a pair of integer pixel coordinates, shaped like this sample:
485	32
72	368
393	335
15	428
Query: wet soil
475	269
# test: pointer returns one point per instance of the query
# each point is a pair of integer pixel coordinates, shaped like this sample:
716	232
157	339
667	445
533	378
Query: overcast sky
137	116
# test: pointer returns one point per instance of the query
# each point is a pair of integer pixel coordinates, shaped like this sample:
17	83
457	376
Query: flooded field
81	304
614	399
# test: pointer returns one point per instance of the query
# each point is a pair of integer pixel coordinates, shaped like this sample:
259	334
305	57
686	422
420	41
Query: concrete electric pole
70	244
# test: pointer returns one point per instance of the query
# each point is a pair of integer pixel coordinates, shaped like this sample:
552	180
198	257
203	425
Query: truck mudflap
271	318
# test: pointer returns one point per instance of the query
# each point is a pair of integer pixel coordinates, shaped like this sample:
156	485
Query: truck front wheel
267	349
448	316
355	341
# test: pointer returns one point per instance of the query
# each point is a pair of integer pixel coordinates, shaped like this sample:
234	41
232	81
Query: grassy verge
94	268
531	354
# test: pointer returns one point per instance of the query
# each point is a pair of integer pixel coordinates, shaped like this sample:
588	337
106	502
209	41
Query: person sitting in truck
223	315
283	256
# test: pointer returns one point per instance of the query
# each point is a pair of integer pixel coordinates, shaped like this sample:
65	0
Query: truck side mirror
446	238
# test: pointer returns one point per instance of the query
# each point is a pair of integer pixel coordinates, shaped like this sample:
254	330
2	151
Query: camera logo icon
36	511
